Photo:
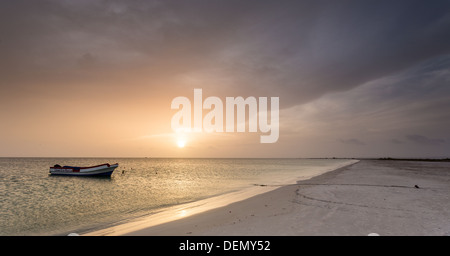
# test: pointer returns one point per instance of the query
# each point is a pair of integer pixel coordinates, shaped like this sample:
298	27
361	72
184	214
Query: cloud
298	50
352	142
422	140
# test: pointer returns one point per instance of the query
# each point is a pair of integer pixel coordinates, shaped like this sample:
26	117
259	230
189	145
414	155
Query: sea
33	203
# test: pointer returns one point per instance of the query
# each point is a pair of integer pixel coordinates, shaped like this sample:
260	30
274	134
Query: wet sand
371	196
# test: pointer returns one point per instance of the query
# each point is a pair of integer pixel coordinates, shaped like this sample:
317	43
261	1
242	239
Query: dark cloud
352	142
298	50
422	140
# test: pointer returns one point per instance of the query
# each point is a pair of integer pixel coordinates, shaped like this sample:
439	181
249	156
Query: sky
91	78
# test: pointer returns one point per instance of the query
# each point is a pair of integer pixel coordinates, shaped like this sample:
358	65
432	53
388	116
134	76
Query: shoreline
389	198
186	210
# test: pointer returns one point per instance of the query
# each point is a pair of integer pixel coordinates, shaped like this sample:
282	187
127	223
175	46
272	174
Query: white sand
367	197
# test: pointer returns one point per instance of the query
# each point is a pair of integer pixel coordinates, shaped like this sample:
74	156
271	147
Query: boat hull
100	170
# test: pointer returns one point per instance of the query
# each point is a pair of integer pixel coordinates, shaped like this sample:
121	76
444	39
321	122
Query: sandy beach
388	198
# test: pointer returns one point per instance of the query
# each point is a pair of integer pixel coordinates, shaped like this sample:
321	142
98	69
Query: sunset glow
181	143
97	79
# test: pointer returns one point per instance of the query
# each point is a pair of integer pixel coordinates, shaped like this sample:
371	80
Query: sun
181	143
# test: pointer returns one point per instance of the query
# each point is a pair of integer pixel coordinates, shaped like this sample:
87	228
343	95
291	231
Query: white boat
98	170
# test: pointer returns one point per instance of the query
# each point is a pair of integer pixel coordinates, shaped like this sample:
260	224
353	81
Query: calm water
34	203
